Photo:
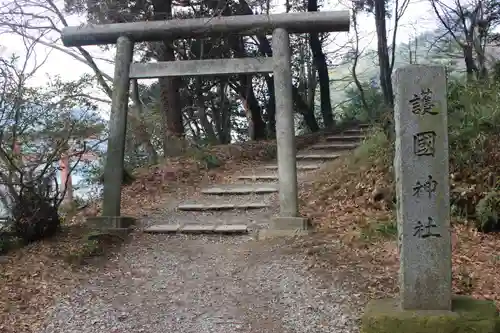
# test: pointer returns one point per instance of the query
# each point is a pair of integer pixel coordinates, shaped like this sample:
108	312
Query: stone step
256	177
300	167
322	156
222	206
345	138
241	189
197	228
355	131
335	146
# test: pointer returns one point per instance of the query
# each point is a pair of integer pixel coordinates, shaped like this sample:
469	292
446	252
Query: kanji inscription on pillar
422	186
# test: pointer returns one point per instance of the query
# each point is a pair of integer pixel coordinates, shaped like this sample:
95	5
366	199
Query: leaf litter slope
340	202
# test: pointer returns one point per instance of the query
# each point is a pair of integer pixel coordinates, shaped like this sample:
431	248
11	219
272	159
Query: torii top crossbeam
186	28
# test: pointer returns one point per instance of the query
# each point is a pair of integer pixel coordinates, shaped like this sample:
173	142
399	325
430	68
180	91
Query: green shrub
488	213
374	147
380	229
78	255
474	115
208	160
355	110
211	161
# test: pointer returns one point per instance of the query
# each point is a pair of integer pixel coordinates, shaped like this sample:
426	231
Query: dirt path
179	283
204	284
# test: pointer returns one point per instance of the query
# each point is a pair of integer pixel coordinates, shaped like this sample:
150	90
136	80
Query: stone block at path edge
104	223
468	315
288	226
290	223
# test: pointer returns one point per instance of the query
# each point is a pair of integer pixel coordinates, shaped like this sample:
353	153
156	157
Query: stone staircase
250	201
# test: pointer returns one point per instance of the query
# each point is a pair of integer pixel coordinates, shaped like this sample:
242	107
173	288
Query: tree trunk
305	111
311	86
302	79
271	107
303	108
246	92
66	181
223	118
383	52
322	67
470	65
172	109
202	114
192	123
265	49
248	115
356	60
482	70
141	132
207	126
170	98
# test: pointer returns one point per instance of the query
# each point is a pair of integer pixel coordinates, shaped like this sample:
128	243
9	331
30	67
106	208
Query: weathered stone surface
318	156
117	232
289	223
467	316
201	67
259	177
197	228
241	189
300	167
345	138
163	229
222	206
107	222
356	131
335	146
285	123
231	229
215	26
281	233
113	168
422	187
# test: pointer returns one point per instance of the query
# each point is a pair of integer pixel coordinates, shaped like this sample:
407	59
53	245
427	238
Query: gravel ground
179	283
198	284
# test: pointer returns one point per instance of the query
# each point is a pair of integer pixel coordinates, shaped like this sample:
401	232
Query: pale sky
417	17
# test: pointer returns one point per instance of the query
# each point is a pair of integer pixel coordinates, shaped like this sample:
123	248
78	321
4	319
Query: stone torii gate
124	35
